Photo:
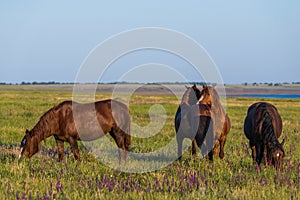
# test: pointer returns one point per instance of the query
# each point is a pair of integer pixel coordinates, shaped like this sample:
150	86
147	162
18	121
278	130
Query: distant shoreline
231	90
239	90
266	96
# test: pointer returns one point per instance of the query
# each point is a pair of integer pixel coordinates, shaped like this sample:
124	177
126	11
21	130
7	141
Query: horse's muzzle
20	153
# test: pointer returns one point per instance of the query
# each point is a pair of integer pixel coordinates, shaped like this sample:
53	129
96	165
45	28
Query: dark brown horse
222	124
70	121
191	120
263	127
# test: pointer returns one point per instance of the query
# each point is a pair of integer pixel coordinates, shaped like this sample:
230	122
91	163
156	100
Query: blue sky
250	41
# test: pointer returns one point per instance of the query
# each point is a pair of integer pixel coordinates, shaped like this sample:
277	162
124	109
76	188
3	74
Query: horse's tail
127	138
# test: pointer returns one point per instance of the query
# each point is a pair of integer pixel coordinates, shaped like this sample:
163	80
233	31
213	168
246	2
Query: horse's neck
42	130
216	107
39	131
267	127
185	109
275	145
188	98
269	134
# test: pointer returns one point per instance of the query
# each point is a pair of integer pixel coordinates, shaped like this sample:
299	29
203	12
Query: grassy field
234	177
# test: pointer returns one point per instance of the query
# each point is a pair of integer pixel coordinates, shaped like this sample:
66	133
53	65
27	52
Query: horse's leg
194	147
211	155
215	149
252	146
60	149
197	131
222	145
117	134
258	154
210	145
126	153
127	141
179	145
265	154
74	146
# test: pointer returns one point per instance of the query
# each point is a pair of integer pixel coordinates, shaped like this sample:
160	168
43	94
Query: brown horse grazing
222	124
70	121
191	120
263	127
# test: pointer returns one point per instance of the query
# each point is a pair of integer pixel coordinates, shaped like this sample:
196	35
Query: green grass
234	177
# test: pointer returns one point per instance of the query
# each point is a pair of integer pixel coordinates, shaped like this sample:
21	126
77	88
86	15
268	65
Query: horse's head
276	154
29	145
191	95
196	91
206	97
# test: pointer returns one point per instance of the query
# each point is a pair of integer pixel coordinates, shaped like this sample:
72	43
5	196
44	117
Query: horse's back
113	113
255	114
92	120
274	114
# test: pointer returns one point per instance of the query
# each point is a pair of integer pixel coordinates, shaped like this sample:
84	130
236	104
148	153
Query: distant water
271	96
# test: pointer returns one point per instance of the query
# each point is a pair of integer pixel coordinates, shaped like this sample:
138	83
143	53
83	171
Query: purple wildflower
89	184
45	197
276	178
59	187
261	180
149	188
17	195
257	168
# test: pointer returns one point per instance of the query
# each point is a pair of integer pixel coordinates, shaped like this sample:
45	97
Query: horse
263	127
222	123
191	120
70	121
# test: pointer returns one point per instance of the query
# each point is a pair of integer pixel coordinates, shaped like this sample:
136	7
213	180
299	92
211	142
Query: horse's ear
27	131
282	143
186	87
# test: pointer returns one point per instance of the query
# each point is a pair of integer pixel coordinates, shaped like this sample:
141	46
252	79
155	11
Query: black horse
70	121
263	127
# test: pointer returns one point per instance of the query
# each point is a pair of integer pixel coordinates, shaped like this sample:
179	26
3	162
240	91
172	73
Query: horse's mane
188	96
216	102
185	96
41	129
267	129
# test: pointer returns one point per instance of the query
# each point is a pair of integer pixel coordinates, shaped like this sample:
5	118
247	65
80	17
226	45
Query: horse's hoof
221	155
